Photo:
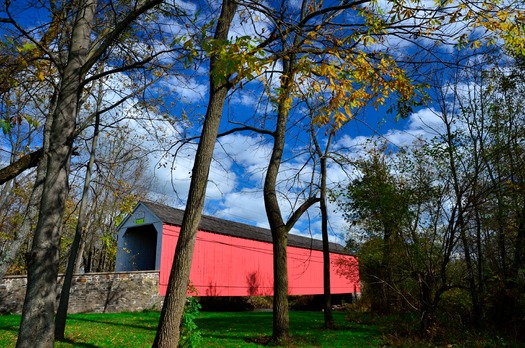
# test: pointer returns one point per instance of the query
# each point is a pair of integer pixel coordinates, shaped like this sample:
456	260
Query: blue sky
235	188
235	185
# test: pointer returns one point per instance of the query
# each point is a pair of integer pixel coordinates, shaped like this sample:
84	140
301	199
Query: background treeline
439	226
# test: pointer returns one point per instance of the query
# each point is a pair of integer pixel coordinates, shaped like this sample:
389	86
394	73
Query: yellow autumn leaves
342	71
361	79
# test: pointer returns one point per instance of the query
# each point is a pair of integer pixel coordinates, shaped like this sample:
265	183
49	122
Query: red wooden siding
230	266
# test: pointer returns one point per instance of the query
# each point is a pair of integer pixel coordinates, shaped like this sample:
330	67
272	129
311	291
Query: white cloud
188	89
245	206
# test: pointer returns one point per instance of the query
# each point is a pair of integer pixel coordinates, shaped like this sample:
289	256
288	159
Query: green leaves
241	59
5	126
26	47
190	335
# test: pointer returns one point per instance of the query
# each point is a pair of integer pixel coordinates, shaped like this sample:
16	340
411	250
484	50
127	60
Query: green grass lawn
224	329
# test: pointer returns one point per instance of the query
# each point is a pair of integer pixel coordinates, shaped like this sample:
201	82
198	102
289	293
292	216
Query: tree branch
300	211
246	128
25	162
120	27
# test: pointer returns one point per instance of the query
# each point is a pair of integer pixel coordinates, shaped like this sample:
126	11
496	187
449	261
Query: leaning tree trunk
168	332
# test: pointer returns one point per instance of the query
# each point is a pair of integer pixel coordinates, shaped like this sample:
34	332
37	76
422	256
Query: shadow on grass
150	322
9	328
246	322
306	329
78	344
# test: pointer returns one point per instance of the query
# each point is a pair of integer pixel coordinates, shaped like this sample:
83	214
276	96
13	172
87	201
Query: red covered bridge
230	258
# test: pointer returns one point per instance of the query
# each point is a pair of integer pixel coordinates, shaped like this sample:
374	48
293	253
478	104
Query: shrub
190	336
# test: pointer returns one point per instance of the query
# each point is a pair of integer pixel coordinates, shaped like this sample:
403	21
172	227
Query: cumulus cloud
246	205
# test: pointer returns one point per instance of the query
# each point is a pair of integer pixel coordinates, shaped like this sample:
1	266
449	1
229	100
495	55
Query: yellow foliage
343	73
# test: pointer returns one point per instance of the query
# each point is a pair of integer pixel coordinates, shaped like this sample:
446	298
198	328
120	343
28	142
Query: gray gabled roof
173	216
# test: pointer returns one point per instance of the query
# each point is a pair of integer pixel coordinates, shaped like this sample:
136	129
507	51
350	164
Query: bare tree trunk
328	317
37	324
60	319
13	247
427	307
281	319
388	300
327	303
168	332
461	223
280	229
80	254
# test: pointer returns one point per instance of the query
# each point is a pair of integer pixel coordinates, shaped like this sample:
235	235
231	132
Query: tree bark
37	324
168	331
281	320
328	317
427	307
327	300
25	162
60	319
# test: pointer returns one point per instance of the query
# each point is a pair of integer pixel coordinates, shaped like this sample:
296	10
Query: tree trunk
80	254
168	332
426	306
328	317
386	272
33	206
37	325
21	235
281	321
60	319
327	301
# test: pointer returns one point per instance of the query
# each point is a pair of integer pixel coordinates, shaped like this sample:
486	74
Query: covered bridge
230	258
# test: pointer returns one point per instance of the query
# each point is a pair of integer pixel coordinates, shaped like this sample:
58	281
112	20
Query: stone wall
93	292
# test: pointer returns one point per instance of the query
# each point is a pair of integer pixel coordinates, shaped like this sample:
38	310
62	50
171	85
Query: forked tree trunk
37	324
280	229
168	332
281	320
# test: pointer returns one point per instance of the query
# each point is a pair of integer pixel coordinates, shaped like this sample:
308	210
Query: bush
190	335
